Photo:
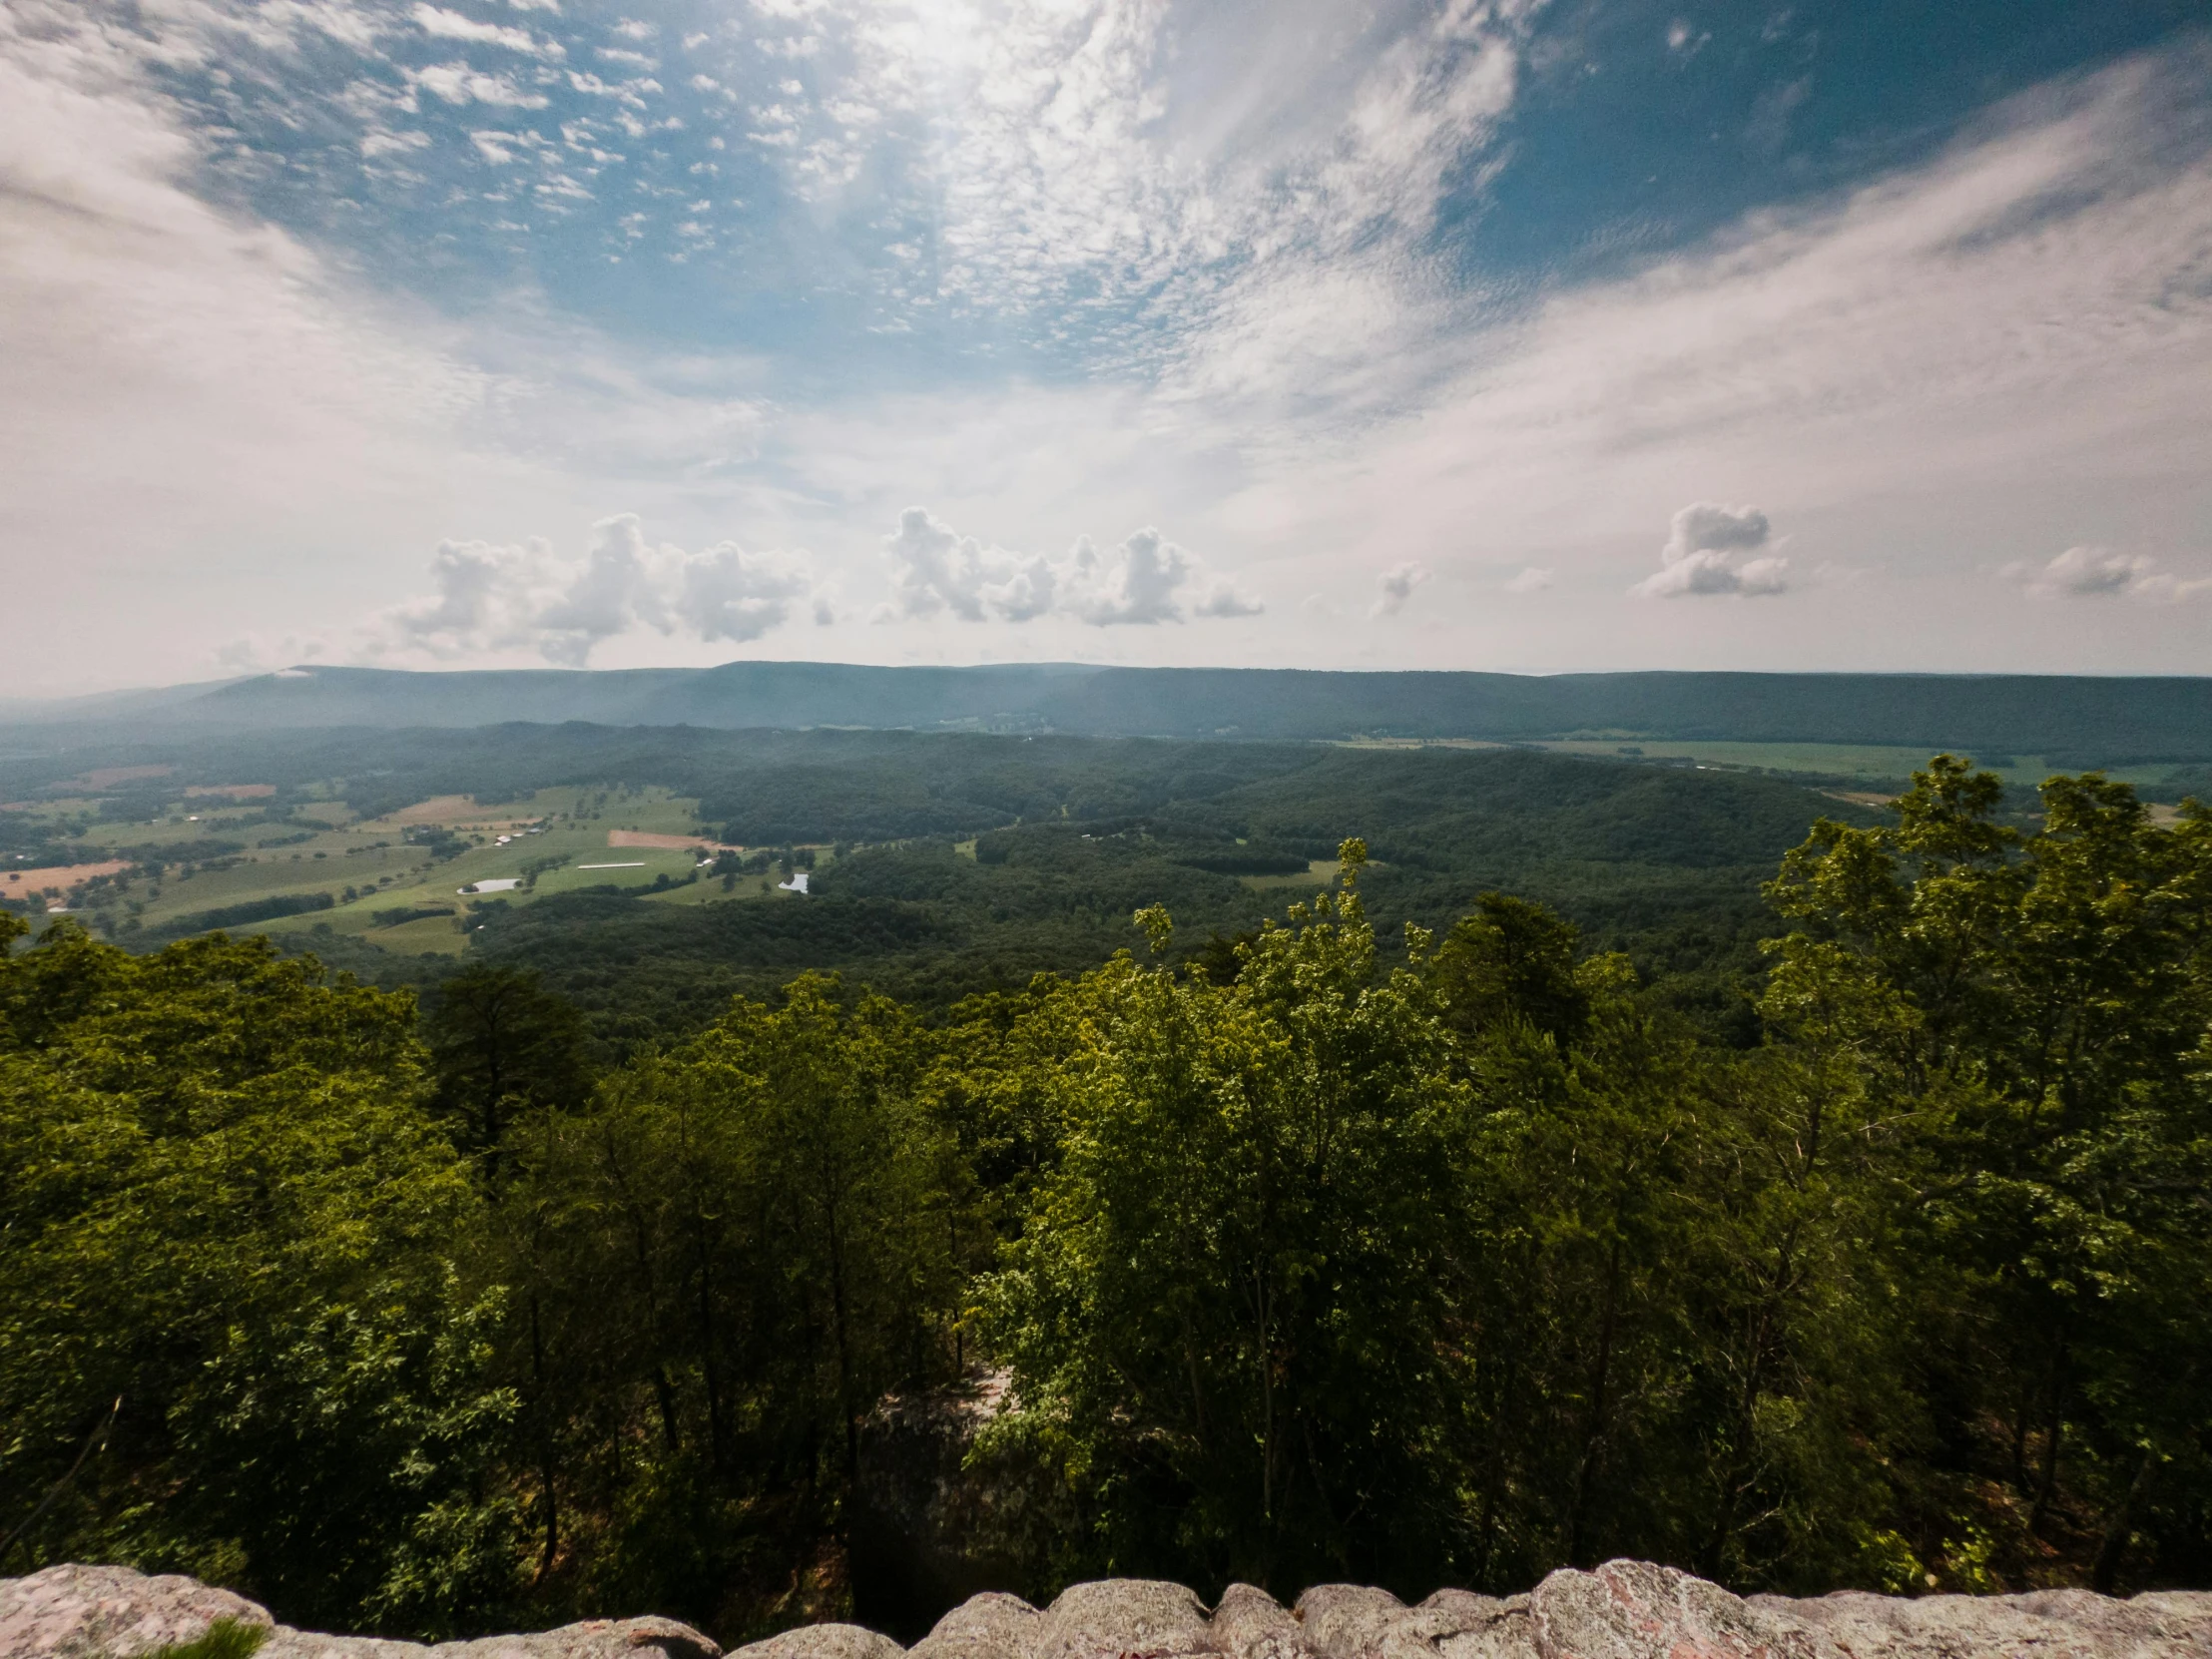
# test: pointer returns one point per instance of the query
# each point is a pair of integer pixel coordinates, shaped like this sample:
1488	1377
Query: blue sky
1524	336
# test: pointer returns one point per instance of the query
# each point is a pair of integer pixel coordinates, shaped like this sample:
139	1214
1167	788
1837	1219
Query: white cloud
1925	370
1145	580
1706	572
1229	223
493	599
190	395
1699	557
1532	579
1706	528
2103	573
1243	208
384	143
1397	585
457	83
1220	596
440	23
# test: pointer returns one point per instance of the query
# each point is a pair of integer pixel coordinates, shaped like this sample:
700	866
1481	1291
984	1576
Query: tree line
1314	1256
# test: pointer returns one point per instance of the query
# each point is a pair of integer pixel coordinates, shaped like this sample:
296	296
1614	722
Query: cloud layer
290	292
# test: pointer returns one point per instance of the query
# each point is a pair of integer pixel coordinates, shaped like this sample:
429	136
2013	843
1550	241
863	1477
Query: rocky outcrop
936	1518
73	1612
1623	1611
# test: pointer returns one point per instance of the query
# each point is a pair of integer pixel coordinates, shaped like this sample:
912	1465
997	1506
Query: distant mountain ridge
2115	721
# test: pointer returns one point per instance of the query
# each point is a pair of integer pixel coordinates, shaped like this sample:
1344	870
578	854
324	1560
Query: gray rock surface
823	1642
1623	1611
1123	1618
1458	1624
78	1612
1633	1610
73	1612
993	1625
2047	1624
1353	1621
1349	1621
1251	1624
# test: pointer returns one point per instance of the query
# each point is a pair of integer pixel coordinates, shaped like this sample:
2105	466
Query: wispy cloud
2103	572
441	24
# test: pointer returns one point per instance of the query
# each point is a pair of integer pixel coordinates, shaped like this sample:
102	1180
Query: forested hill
2072	719
1347	1253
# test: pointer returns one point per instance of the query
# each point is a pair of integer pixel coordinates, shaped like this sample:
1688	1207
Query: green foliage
253	911
224	1639
1894	1272
227	1207
722	1265
1228	1291
2037	1006
502	1047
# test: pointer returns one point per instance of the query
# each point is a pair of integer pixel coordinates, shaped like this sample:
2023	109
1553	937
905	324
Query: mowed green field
387	872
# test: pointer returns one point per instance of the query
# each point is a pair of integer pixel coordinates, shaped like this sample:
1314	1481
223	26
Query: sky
1531	335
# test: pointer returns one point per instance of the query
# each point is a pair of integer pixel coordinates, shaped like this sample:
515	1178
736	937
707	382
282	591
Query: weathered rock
76	1612
1251	1624
1633	1610
1349	1621
822	1641
1123	1618
2047	1624
592	1639
1623	1611
993	1625
1459	1624
940	1513
73	1612
1352	1621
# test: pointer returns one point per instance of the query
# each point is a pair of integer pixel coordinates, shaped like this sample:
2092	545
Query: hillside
941	863
2068	720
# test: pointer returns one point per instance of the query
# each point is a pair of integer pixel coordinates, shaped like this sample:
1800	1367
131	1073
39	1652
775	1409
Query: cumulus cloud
493	598
1699	558
1532	579
1397	585
1704	527
2103	573
1147	579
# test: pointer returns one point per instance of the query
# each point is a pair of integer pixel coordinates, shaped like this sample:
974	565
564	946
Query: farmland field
940	864
396	881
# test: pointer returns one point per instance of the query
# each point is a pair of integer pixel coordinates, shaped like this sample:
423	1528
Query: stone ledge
1623	1611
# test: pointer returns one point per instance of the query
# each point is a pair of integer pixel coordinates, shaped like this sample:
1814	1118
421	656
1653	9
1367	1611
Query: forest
1866	1242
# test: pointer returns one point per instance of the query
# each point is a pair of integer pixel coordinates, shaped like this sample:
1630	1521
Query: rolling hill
2069	720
